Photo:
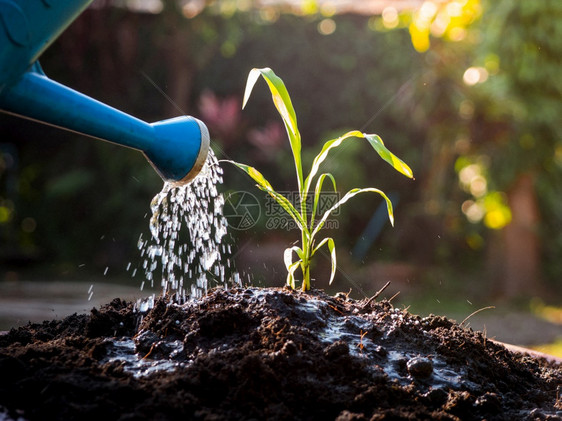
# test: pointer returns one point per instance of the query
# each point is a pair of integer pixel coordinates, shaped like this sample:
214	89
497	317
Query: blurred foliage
508	107
523	51
453	85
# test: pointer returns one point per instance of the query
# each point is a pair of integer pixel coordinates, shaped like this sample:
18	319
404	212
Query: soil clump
267	354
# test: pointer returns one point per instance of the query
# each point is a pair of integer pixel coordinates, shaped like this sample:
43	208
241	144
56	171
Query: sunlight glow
454	9
449	19
474	75
427	11
489	207
327	26
473	211
440	24
192	8
390	17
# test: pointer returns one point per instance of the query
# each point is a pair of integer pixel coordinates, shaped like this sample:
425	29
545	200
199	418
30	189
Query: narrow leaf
252	172
290	265
284	106
281	98
289	208
318	191
399	165
253	77
330	144
288	255
349	195
264	185
332	248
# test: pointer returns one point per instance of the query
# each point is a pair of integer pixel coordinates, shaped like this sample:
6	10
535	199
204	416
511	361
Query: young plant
308	222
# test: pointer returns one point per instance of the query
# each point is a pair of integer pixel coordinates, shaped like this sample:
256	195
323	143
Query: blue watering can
177	148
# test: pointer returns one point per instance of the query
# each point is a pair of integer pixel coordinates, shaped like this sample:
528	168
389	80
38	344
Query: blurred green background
467	92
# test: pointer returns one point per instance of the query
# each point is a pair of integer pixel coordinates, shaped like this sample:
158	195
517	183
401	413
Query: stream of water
187	262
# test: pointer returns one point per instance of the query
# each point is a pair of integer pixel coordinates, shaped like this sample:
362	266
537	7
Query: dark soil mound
267	354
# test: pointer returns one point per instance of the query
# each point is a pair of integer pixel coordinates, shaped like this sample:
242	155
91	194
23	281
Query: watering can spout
177	148
180	148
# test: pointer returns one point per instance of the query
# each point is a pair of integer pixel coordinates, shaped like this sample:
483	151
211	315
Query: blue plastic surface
175	147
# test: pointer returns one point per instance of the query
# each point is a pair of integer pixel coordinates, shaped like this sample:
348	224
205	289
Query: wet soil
268	354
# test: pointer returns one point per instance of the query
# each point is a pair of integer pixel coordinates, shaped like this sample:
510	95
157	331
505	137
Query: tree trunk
515	252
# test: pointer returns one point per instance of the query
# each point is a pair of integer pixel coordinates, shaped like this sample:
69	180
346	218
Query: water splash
188	263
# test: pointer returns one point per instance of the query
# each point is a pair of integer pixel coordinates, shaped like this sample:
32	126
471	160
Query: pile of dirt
268	354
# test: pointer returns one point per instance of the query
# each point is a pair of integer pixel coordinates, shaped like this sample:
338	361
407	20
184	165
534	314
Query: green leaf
255	174
375	141
279	94
264	185
399	165
290	209
332	248
253	77
284	106
349	195
330	144
318	191
290	265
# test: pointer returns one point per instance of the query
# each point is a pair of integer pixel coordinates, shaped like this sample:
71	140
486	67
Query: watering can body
177	148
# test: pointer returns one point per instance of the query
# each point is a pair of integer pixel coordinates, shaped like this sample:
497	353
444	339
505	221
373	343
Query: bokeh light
474	75
390	17
327	26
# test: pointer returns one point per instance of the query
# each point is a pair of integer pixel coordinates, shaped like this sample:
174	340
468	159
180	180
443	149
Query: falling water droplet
198	207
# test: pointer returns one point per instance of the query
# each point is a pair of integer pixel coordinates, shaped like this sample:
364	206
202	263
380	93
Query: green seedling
310	223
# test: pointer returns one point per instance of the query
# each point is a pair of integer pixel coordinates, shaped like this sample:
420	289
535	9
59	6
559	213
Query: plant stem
306	276
305	261
306	245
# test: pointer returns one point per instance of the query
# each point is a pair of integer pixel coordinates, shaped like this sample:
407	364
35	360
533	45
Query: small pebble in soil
145	340
420	368
336	350
489	403
290	348
436	397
